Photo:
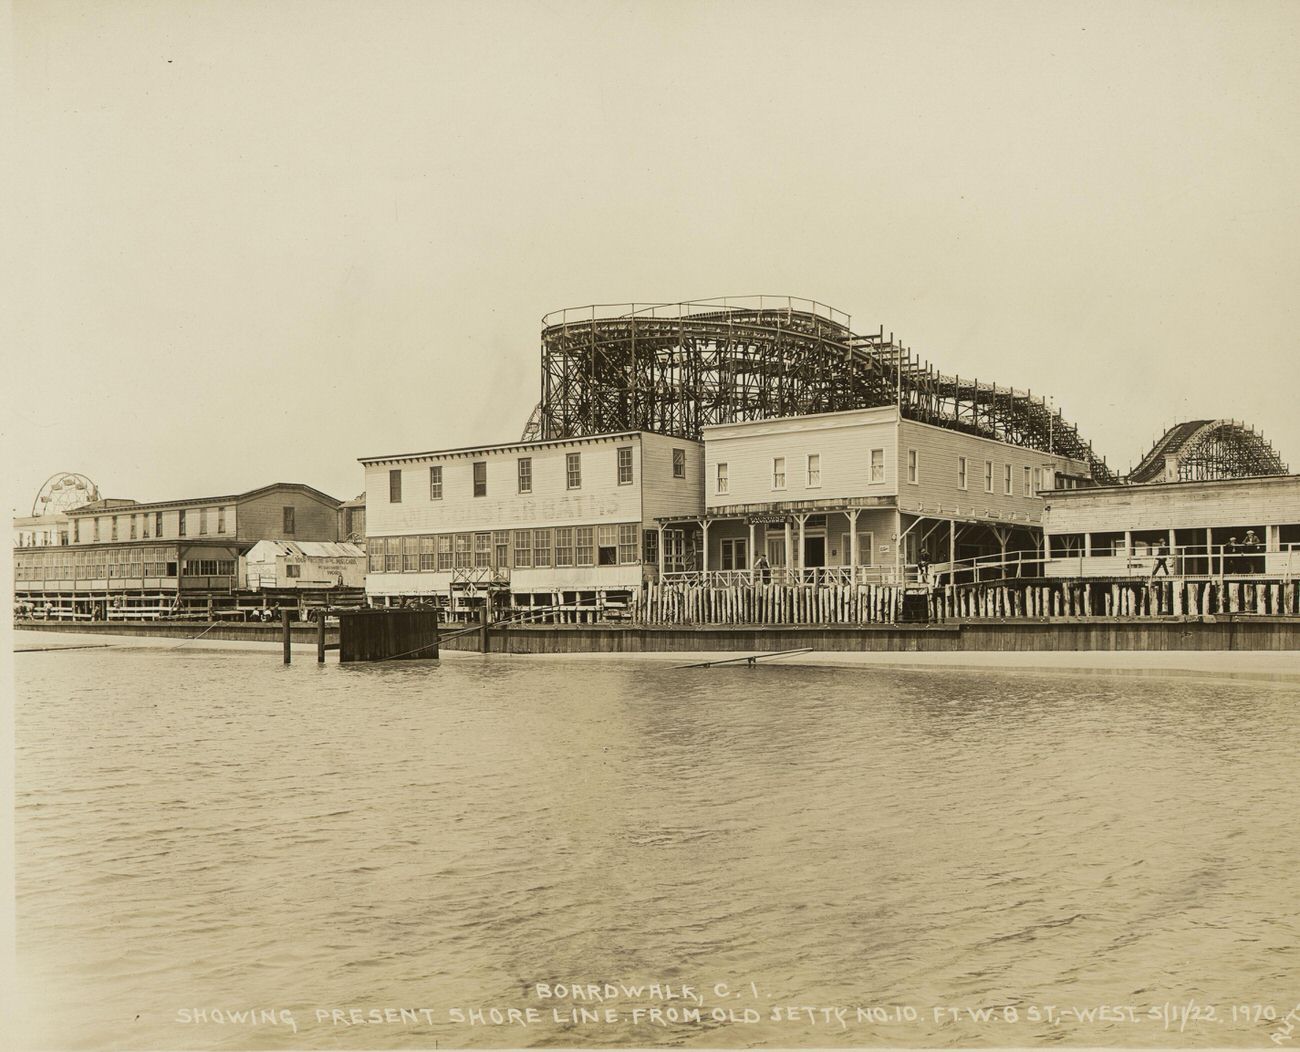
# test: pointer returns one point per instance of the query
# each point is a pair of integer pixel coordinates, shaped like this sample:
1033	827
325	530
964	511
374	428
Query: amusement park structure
675	368
1205	450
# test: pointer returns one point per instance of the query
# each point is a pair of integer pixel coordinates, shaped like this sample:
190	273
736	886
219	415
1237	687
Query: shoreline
1254	665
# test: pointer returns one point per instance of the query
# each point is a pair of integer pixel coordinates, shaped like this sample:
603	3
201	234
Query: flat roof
1151	487
502	447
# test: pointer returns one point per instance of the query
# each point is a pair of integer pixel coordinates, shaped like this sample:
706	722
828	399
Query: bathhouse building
1220	527
126	559
862	494
565	524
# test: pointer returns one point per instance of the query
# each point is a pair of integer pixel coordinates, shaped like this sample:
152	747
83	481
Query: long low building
125	559
1223	527
567	523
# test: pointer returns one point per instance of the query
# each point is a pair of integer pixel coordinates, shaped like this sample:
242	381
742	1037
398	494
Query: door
814	552
776	550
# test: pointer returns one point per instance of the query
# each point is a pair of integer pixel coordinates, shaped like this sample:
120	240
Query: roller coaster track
1208	449
676	368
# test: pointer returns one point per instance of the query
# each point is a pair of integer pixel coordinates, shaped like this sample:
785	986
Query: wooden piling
285	615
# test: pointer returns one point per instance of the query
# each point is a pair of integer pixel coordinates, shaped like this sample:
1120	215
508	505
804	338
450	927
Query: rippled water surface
208	832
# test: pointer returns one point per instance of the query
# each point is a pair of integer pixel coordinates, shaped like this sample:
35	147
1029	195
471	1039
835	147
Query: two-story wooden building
563	524
865	491
125	559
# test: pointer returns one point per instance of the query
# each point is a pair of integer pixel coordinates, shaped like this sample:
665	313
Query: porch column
789	546
952	549
661	551
704	562
853	543
749	563
898	547
803	522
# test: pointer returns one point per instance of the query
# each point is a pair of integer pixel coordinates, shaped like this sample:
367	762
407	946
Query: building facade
567	523
304	566
1225	527
863	491
126	559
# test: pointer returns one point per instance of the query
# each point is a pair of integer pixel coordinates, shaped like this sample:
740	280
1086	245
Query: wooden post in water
320	636
284	624
484	617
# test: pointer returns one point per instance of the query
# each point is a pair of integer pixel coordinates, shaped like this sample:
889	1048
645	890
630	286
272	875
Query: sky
253	242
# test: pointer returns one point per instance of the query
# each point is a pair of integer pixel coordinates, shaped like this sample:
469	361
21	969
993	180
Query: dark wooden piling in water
320	638
388	635
285	621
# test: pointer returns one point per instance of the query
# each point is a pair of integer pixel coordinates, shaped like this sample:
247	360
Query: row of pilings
681	602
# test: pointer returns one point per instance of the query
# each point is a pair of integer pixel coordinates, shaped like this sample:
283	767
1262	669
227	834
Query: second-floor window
961	472
1008	484
203	521
180	523
624	465
480	478
133	526
573	470
913	467
221	520
1029	486
435	482
395	486
988	476
157	524
288	520
524	468
877	465
722	477
814	469
778	472
679	463
113	536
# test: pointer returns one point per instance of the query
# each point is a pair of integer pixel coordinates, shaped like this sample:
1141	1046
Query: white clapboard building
304	566
567	524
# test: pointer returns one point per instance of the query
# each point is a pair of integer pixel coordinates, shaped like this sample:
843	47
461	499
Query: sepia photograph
623	524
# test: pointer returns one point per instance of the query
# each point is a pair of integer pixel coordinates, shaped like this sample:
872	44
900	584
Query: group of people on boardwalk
1236	557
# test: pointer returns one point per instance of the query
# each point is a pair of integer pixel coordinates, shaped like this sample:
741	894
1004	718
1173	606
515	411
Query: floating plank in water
752	659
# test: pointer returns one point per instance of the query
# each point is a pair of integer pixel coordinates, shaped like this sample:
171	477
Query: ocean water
216	851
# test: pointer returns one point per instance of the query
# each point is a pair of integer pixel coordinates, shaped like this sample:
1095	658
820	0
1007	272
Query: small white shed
304	564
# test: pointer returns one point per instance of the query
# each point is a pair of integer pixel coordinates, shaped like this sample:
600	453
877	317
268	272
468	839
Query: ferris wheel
63	491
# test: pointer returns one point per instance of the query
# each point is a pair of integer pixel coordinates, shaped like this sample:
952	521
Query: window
482	551
778	472
913	467
1008	483
865	542
1038	480
541	547
651	547
410	554
679	463
392	554
573	470
157	524
76	531
221	521
293	570
814	469
627	543
94	533
428	558
435	482
722	477
444	551
606	546
288	520
961	472
133	526
480	478
564	546
501	549
463	554
988	476
203	521
113	536
733	554
625	465
583	552
524	469
180	523
877	465
523	548
1029	489
395	486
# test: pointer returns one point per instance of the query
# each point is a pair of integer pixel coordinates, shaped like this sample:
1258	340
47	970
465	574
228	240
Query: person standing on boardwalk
763	567
1162	559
